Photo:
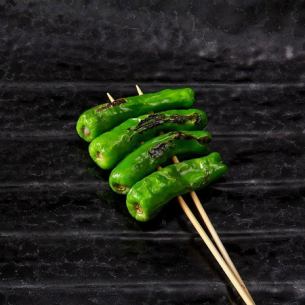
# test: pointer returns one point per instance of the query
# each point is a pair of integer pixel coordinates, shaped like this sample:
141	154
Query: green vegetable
146	158
149	195
104	117
112	146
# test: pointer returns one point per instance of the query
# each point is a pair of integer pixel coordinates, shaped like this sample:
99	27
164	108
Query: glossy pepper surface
146	198
112	146
146	158
104	117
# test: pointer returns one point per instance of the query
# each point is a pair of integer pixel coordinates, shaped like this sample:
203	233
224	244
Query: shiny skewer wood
241	289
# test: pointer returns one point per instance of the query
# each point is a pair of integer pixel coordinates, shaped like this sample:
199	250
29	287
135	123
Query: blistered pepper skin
104	117
112	146
147	157
147	197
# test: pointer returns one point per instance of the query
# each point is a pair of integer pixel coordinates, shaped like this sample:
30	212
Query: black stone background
65	237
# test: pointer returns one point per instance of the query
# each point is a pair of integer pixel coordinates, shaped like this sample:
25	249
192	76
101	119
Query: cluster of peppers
134	136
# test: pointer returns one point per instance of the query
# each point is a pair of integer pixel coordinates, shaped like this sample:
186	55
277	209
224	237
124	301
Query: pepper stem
138	208
99	156
120	188
86	131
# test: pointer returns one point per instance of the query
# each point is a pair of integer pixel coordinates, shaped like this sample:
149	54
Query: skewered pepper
112	146
146	158
146	198
104	117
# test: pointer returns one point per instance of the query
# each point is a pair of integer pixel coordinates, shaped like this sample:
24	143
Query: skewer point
140	92
111	99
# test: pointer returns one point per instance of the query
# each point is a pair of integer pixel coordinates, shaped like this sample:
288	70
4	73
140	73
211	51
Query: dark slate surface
153	40
65	237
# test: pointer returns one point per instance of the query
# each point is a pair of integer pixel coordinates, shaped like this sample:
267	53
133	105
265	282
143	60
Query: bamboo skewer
210	227
235	280
232	277
215	236
111	99
220	260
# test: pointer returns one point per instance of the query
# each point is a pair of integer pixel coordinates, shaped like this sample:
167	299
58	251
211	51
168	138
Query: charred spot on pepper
157	119
197	118
184	136
116	102
158	150
149	122
204	140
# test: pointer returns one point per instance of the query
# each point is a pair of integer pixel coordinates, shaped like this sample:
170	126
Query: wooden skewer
214	250
211	228
232	277
140	92
215	235
111	99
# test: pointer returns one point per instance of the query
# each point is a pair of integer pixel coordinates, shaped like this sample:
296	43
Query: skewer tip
140	92
111	99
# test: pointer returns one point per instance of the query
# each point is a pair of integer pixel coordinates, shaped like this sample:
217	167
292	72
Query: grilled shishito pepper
104	117
149	195
112	146
146	158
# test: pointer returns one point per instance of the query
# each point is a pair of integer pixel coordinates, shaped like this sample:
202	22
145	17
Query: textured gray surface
65	237
153	40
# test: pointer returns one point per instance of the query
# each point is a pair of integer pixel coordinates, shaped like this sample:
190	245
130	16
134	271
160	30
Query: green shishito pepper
149	195
112	146
104	117
147	157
